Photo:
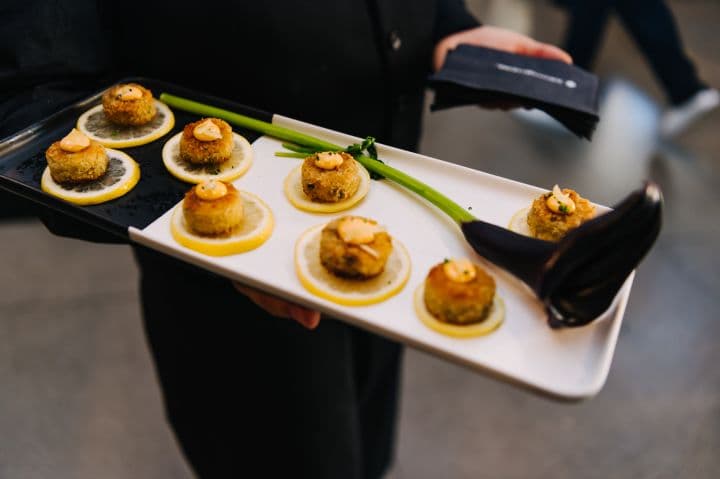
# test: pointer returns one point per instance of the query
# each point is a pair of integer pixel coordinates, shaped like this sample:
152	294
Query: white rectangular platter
569	364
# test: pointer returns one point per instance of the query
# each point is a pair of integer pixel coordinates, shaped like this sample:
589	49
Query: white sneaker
676	119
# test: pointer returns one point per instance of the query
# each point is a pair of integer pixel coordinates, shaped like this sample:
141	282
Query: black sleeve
452	16
51	54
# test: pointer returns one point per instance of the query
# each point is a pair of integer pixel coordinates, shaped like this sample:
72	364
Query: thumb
307	317
545	50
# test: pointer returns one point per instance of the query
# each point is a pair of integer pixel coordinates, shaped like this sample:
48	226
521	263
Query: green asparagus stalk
307	143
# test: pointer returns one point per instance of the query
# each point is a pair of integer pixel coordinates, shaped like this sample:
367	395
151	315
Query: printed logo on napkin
534	74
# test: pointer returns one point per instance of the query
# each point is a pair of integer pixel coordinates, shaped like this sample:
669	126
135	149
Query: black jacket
358	66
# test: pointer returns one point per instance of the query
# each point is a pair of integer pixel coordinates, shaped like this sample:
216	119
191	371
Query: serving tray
568	363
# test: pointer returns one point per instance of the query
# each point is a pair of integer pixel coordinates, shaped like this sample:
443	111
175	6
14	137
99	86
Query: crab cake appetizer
128	116
327	182
329	177
354	247
84	172
459	298
553	214
206	150
213	208
351	261
76	158
206	142
216	219
129	104
459	292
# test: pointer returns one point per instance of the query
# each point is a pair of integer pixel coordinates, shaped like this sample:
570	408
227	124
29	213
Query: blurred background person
652	25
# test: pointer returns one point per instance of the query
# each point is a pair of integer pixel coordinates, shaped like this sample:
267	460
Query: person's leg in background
587	20
652	26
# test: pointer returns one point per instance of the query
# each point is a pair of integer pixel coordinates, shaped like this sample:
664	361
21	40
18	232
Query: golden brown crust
459	303
206	152
350	260
217	217
77	167
547	225
129	113
330	186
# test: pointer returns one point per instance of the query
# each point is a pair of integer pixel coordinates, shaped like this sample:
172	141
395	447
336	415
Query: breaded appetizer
329	177
555	213
218	220
76	159
459	292
213	208
129	104
207	141
354	247
351	261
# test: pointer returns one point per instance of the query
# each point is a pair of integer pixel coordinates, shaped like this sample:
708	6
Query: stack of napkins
475	75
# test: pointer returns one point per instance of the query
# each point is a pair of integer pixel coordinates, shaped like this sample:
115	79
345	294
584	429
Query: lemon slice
295	194
256	228
121	176
495	318
95	125
239	162
518	222
319	281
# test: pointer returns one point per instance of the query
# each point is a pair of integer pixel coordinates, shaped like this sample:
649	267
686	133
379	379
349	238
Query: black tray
22	162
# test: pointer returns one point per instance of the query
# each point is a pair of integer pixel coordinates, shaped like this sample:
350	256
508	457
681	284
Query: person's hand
281	308
500	39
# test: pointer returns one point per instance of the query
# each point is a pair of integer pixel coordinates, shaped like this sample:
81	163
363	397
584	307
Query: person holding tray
244	390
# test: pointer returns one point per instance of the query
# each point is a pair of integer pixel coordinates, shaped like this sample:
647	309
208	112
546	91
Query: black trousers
652	26
315	404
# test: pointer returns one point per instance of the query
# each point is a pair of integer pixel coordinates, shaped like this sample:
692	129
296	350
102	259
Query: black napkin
474	75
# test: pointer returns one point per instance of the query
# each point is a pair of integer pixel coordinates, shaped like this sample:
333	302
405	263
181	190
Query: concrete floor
79	399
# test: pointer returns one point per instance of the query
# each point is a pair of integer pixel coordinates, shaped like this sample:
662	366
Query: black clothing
652	26
358	66
310	403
